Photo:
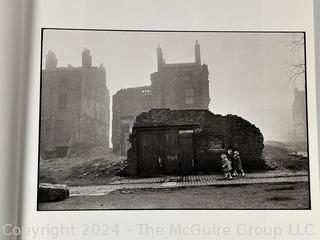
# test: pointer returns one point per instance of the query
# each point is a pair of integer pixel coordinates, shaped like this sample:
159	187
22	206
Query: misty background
248	72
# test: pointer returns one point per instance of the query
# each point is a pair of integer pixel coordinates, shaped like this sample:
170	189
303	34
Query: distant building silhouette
299	115
74	107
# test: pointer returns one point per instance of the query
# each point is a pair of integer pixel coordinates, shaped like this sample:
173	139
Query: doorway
165	152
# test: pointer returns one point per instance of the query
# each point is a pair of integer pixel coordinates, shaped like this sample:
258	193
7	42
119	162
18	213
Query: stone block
52	192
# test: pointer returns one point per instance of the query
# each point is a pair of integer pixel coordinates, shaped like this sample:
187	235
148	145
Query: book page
13	16
157	120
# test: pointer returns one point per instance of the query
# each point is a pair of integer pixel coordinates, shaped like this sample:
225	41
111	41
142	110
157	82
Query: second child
226	166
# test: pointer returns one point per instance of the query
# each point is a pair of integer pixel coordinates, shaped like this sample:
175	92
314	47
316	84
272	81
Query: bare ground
91	168
278	155
253	196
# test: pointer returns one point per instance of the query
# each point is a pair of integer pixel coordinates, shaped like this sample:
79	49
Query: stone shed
183	142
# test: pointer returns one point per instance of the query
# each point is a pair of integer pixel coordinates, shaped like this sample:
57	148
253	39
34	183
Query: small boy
226	166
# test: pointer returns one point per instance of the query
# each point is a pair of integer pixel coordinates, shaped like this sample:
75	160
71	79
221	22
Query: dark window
62	101
187	75
189	96
60	131
63	82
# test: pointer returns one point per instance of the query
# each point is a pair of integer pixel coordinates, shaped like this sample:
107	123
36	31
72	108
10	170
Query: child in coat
231	158
237	163
226	166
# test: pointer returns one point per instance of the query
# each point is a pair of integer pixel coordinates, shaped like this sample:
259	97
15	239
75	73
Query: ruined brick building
74	107
183	142
174	85
127	104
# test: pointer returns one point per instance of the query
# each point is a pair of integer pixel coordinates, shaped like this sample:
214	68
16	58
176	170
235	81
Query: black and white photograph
172	120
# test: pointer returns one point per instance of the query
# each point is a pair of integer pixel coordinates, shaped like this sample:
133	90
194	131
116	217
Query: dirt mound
97	171
95	166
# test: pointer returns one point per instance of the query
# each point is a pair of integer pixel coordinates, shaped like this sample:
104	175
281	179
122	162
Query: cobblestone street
188	181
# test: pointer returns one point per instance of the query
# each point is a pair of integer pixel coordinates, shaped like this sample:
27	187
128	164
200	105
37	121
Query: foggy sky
248	72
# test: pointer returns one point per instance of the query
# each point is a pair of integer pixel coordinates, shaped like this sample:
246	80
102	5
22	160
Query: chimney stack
160	59
197	54
86	59
51	61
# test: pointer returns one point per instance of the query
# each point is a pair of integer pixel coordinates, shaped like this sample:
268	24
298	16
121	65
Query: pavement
129	184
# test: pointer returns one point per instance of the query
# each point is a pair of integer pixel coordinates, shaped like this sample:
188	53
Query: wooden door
151	152
186	153
172	165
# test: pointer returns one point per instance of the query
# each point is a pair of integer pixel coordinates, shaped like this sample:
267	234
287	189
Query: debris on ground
126	191
299	154
92	168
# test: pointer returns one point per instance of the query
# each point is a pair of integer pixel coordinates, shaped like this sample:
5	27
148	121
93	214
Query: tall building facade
74	107
177	86
180	86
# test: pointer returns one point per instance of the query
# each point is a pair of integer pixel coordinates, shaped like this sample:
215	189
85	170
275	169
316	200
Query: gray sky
248	73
